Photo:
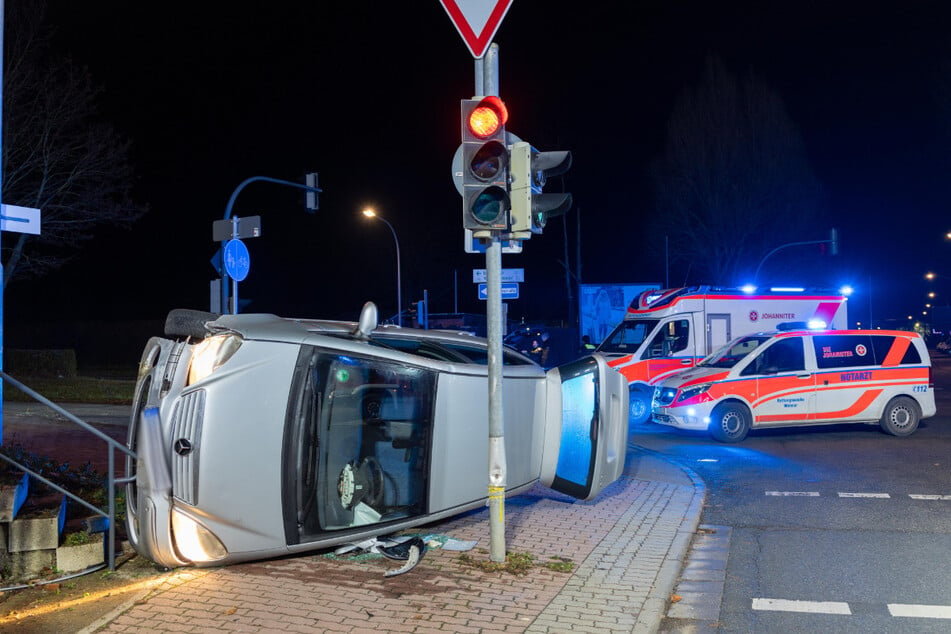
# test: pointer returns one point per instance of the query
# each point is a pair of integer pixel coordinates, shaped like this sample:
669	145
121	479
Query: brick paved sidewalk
627	544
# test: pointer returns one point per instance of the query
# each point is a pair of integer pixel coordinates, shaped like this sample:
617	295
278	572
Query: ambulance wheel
730	422
901	416
640	408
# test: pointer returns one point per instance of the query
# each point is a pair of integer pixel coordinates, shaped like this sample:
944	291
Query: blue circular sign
237	259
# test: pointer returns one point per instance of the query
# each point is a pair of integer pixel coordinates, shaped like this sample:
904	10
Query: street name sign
509	291
249	227
477	21
508	275
20	219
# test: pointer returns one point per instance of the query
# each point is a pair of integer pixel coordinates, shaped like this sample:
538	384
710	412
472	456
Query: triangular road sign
477	21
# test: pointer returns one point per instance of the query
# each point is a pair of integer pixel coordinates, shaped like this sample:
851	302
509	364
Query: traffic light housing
485	162
529	170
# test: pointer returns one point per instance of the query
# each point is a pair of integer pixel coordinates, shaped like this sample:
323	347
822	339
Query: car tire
730	422
183	322
901	416
640	406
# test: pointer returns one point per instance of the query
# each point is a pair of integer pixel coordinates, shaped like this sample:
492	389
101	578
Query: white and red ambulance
667	331
803	378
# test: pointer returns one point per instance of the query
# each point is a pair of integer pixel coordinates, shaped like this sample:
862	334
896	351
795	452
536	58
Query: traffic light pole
486	83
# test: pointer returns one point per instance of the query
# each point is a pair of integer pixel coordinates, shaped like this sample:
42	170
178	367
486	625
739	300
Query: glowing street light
369	212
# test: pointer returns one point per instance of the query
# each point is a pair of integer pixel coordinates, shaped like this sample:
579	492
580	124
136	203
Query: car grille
664	395
186	436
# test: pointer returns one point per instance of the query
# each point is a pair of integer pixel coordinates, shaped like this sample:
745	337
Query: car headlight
210	354
693	390
195	542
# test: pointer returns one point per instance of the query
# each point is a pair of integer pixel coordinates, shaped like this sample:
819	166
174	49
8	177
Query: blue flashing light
787	289
749	289
846	290
816	324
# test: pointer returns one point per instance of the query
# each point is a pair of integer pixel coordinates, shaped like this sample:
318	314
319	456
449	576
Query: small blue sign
237	259
509	291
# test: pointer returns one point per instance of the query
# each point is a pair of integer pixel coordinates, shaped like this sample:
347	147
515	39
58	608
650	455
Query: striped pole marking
814	607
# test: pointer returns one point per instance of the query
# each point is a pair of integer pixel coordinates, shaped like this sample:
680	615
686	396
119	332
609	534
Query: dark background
367	94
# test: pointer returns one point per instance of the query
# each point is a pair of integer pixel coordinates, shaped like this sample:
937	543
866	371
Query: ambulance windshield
628	336
731	354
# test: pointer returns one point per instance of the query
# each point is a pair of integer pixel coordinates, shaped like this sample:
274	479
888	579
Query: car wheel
901	416
640	406
730	422
182	322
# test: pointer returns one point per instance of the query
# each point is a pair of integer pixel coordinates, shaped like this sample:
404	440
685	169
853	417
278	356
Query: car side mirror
368	321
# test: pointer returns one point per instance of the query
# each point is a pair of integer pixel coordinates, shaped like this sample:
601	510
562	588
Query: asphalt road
834	529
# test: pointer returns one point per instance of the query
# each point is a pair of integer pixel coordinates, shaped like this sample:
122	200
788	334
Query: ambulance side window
672	338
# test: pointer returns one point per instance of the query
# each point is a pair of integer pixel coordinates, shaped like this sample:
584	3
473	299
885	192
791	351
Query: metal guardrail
111	480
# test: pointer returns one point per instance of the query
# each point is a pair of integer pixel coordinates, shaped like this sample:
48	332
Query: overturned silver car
259	436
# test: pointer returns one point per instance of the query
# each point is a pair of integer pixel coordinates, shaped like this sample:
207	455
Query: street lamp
369	212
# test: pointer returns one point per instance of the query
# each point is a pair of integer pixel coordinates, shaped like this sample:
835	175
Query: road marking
814	607
920	611
810	494
915	496
864	495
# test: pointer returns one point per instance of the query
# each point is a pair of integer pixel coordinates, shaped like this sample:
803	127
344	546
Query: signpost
20	219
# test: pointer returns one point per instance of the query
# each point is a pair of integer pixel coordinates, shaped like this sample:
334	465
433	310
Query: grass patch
516	563
75	390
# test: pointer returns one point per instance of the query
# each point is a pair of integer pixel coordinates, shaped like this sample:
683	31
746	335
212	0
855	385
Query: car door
586	427
848	383
785	389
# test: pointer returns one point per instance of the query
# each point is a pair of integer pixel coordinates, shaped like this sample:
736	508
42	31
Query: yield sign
477	21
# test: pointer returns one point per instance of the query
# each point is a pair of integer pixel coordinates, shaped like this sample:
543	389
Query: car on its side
782	379
258	436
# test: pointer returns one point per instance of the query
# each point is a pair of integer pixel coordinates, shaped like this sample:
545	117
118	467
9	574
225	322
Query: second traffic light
529	170
485	161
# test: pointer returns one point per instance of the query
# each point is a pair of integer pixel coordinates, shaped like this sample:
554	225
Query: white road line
864	495
915	496
920	611
815	607
810	494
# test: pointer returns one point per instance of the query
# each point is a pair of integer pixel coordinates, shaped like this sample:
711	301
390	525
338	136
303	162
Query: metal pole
399	283
493	268
2	286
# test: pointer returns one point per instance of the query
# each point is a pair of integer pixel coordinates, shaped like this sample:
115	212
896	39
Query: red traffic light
487	117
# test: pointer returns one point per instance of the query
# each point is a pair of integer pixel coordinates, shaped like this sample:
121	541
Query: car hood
694	376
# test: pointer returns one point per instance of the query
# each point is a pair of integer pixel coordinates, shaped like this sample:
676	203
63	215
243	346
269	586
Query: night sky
367	94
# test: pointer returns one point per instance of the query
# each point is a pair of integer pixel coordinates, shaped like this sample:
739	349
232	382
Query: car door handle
686	362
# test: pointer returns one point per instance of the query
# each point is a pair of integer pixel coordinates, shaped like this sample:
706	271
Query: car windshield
731	354
628	336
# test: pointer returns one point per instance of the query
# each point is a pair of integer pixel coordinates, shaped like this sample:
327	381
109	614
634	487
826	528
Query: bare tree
733	181
58	156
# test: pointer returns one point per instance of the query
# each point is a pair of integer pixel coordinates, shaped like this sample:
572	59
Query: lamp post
371	213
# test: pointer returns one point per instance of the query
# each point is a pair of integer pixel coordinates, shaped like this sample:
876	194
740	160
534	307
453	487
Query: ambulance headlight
694	391
195	542
210	354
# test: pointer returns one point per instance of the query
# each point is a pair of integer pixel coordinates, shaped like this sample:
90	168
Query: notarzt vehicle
666	331
259	436
803	378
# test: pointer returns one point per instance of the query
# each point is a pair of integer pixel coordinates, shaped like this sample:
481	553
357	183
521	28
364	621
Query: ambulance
796	378
668	331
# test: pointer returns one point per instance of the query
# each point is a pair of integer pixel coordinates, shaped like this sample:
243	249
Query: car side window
842	351
785	355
